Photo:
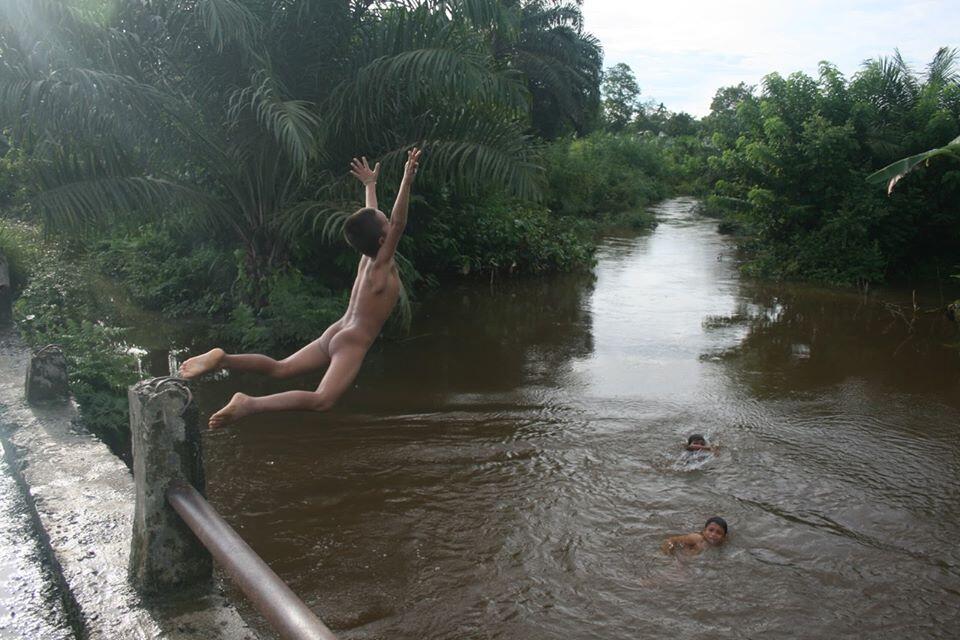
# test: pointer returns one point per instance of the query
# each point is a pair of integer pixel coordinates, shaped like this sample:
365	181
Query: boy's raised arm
362	172
398	217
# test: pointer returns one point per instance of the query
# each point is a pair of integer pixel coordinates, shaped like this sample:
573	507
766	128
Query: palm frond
420	82
909	77
54	32
942	70
891	87
292	123
323	218
229	22
77	100
73	198
468	150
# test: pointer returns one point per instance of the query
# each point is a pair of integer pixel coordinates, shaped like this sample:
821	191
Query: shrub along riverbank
791	164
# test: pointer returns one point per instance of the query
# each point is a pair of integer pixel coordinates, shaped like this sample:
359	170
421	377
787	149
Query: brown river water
509	469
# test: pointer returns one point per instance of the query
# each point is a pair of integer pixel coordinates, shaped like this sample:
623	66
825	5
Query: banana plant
893	172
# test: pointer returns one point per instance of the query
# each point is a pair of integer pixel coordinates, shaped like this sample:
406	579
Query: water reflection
480	340
803	338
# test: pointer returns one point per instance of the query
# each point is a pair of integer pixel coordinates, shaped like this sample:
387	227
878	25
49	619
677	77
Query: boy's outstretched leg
312	357
344	367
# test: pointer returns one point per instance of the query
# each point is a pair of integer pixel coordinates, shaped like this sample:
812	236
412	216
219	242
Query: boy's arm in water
398	217
701	447
362	172
687	541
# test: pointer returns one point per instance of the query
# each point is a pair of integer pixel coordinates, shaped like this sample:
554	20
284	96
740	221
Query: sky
682	51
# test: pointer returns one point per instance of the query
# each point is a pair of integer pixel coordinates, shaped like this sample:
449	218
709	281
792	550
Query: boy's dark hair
363	231
717	520
697	439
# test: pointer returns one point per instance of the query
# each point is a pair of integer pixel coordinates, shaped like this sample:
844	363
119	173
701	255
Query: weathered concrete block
47	376
6	294
165	431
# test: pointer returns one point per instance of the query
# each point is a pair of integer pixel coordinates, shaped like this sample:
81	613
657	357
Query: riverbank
80	498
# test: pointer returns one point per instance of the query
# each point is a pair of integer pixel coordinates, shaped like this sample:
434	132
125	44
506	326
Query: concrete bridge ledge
82	498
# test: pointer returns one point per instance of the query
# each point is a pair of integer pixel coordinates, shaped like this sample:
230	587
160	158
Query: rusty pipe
291	618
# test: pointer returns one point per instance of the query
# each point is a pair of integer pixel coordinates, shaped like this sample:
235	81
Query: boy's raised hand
362	171
410	168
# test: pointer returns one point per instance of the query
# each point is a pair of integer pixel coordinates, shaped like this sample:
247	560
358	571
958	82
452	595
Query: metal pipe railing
268	593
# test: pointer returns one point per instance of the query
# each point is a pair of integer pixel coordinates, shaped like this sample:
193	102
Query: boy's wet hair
717	520
696	439
363	231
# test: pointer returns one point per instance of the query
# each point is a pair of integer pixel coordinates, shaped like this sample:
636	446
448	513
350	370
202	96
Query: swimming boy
344	344
697	442
713	535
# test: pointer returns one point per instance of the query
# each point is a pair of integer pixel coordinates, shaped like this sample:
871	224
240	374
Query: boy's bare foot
238	407
199	365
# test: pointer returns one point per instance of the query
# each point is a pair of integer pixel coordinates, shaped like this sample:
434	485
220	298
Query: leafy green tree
621	96
791	165
680	124
723	122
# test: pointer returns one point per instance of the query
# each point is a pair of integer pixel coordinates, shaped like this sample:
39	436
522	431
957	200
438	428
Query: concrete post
165	431
47	376
6	293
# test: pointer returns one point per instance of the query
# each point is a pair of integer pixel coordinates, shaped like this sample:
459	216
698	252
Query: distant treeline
785	166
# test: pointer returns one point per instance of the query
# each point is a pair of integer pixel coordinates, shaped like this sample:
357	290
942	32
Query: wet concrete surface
30	599
82	498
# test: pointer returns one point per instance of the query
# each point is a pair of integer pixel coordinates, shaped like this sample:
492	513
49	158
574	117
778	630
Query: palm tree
543	42
906	103
561	63
902	101
229	110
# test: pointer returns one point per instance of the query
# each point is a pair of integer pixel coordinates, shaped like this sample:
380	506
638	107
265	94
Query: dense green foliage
621	97
605	174
163	271
239	116
673	141
792	164
504	236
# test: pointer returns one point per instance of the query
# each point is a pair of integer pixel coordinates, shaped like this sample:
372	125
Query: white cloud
683	51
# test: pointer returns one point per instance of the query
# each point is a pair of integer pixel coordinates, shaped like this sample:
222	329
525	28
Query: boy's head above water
695	442
715	531
365	230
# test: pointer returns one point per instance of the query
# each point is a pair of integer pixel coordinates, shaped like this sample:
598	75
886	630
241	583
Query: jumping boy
344	344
